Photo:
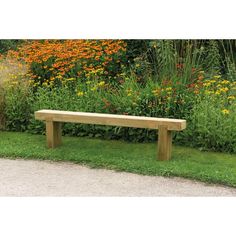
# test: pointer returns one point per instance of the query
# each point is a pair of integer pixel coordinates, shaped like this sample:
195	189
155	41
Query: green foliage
210	128
213	57
166	80
136	48
174	59
177	59
165	58
2	107
9	44
99	100
18	102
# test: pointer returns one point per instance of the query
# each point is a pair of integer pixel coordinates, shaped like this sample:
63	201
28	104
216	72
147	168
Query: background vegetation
190	79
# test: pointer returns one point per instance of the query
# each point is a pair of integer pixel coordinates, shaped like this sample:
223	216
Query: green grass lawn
117	155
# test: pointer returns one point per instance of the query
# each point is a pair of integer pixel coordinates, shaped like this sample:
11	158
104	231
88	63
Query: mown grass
137	158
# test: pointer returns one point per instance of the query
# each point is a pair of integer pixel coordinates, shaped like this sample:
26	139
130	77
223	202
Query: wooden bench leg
53	132
164	143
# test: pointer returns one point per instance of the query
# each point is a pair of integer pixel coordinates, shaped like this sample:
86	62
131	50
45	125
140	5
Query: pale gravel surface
45	178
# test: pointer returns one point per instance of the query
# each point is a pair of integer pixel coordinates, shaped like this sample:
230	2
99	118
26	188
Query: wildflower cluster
52	61
220	86
167	94
219	89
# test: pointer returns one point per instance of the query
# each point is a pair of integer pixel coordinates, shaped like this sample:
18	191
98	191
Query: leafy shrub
9	44
18	102
211	126
2	107
11	73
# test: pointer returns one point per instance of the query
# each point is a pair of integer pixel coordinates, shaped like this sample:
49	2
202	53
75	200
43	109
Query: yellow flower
231	97
129	94
128	90
80	94
14	82
168	89
207	84
224	90
93	89
51	83
101	84
225	111
154	44
70	79
59	77
225	82
208	92
217	76
217	92
156	92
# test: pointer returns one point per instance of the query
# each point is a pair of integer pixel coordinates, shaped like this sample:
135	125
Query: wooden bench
165	126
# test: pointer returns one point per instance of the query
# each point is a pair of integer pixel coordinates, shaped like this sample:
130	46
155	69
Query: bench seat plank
110	119
54	118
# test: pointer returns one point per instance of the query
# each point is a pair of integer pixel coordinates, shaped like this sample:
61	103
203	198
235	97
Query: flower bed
92	76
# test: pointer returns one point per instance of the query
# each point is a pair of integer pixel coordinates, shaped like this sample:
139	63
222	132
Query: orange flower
59	57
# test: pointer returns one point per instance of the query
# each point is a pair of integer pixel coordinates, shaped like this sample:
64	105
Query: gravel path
44	178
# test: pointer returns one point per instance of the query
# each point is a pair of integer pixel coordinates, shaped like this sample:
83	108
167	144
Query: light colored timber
54	119
109	119
53	133
164	143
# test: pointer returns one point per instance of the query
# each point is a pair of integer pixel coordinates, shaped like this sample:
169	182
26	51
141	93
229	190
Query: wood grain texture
164	143
109	119
53	133
54	118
